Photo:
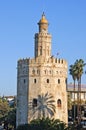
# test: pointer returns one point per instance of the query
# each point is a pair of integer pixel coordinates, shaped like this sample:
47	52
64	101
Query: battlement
41	60
23	61
49	60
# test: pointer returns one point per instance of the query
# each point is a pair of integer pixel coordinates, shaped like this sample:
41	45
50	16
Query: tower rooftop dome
43	19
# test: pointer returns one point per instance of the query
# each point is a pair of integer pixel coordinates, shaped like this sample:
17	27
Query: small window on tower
38	72
66	80
62	61
58	81
50	71
59	102
34	102
47	80
35	81
59	60
40	50
45	71
24	81
33	71
57	72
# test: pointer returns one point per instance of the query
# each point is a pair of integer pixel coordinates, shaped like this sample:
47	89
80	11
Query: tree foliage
7	114
77	69
44	124
10	119
4	108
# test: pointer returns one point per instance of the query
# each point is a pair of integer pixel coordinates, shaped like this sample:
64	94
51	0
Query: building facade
71	91
40	75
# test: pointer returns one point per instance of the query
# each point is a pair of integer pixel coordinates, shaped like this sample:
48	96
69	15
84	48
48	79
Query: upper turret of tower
43	24
43	39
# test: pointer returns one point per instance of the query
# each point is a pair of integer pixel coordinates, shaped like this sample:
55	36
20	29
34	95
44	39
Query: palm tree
79	64
45	106
73	74
76	71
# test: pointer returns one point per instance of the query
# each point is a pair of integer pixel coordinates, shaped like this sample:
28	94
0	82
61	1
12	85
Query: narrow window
47	80
66	80
33	71
37	71
60	72
62	61
55	60
35	81
40	50
59	102
24	81
34	102
50	71
66	83
45	71
57	72
58	81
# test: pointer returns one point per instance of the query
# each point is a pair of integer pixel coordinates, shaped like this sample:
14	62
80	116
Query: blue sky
18	24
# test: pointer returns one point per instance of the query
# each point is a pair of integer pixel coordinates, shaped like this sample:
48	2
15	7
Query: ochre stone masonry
39	75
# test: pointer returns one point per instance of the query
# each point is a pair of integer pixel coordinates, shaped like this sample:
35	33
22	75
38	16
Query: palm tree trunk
79	101
43	113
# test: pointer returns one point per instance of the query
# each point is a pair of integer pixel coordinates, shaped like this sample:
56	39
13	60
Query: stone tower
39	75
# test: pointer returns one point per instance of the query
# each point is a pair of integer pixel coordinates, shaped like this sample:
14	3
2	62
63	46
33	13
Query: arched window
35	81
34	102
59	102
47	80
58	81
